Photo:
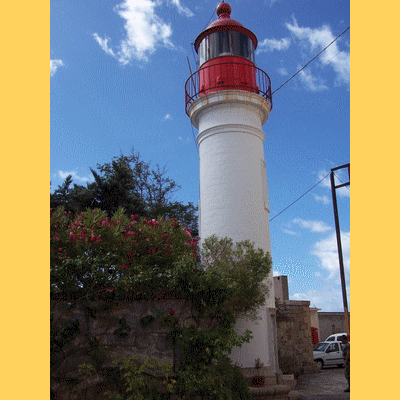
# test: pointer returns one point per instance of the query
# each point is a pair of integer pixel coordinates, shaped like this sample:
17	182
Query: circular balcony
217	76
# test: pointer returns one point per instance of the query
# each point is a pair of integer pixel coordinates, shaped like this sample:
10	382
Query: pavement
327	384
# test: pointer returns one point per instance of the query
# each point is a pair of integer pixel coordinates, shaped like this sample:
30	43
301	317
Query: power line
194	138
299	198
341	181
301	69
209	20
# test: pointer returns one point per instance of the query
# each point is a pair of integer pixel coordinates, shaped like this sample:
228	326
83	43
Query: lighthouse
228	100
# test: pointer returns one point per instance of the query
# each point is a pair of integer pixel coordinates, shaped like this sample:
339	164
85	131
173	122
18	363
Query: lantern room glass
226	43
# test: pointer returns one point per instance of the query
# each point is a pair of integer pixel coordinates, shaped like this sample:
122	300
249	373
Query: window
320	346
333	347
226	43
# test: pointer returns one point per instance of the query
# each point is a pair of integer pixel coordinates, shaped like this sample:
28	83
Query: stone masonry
295	350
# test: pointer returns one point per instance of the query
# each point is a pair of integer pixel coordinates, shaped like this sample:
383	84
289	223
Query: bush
92	253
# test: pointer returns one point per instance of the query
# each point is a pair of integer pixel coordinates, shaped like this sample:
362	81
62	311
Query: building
229	100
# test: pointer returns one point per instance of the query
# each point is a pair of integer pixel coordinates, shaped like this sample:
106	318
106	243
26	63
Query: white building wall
234	193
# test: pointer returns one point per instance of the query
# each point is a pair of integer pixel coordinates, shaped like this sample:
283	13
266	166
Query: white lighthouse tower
228	100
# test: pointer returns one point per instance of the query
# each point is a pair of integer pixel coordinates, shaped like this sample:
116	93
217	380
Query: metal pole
339	245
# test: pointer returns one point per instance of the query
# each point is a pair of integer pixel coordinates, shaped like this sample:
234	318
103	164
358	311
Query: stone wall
295	351
125	329
131	328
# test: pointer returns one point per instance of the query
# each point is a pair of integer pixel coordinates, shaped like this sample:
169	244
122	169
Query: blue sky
117	75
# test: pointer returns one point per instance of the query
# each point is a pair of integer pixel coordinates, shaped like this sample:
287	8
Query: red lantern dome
225	35
226	58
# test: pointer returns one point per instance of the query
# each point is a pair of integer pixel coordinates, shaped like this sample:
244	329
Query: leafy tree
131	183
96	261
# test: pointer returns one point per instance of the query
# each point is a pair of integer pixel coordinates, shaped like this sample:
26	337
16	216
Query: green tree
97	260
131	183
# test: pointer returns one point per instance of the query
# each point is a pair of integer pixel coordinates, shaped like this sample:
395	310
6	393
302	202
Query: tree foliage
128	182
94	253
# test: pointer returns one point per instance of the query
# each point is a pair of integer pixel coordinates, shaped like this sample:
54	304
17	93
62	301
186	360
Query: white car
335	337
328	353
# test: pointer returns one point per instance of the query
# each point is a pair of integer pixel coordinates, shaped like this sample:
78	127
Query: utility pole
339	242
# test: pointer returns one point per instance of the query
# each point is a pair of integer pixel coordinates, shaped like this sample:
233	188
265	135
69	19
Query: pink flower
148	239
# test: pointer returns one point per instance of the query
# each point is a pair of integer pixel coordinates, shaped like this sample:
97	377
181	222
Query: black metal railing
205	81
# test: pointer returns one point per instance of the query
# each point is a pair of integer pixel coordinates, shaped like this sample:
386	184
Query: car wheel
320	364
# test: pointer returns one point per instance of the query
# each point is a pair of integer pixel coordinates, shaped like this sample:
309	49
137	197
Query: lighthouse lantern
226	55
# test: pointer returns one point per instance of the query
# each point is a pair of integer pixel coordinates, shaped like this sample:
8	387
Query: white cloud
167	117
75	176
54	65
313	226
181	9
289	232
313	83
272	2
282	71
326	183
328	298
145	31
322	199
341	176
314	40
104	44
273	44
327	252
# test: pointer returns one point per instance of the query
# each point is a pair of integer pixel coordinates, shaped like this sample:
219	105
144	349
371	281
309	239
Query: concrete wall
329	323
295	351
281	287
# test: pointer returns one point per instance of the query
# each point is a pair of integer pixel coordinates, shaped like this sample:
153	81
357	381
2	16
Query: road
328	384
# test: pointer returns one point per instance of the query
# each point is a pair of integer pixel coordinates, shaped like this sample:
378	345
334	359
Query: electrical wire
299	198
194	138
208	23
341	182
301	69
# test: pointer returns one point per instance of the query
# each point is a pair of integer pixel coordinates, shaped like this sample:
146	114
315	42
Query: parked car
328	353
335	337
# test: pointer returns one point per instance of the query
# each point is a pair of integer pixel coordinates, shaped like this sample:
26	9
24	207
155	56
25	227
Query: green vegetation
93	253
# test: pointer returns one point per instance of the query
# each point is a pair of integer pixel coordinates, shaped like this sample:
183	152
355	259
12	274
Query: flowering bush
91	252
